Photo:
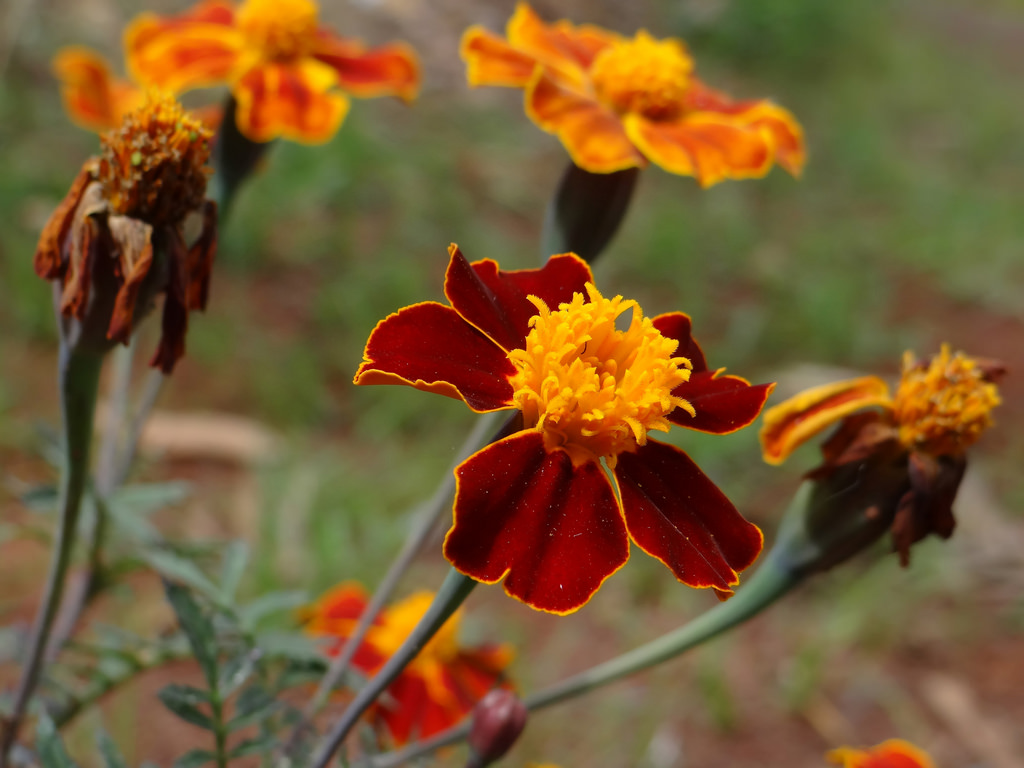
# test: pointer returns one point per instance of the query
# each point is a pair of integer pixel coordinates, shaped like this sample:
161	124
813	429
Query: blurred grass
913	179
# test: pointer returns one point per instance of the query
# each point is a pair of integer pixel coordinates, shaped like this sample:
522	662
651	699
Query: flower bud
498	719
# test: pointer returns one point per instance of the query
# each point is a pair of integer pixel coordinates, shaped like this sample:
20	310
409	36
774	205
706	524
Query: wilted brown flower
118	237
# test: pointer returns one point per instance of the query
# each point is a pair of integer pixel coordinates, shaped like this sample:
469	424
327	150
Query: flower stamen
643	75
281	29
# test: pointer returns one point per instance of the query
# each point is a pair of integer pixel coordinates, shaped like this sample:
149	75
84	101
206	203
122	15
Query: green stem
79	382
150	392
449	597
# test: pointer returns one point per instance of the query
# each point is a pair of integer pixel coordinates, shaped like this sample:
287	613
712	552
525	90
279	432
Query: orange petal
894	753
560	45
49	262
388	70
704	145
791	423
93	98
196	49
290	100
492	61
592	134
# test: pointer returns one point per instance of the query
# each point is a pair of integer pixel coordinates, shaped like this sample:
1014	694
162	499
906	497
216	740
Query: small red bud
498	719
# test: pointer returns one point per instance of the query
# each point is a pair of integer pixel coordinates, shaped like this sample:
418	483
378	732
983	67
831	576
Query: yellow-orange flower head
593	390
643	75
153	167
281	30
943	406
401	619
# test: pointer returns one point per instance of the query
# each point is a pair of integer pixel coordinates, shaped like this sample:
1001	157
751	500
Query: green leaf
253	704
112	757
289	645
142	499
262	744
272	602
50	746
197	629
184	701
41	498
177	568
236	672
236	557
195	758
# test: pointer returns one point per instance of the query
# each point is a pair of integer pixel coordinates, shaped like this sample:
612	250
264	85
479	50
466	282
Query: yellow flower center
153	167
593	390
944	406
400	620
279	29
643	75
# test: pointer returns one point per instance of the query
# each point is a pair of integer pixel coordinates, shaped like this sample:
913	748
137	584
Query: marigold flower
894	753
117	238
618	102
536	509
939	409
441	685
289	75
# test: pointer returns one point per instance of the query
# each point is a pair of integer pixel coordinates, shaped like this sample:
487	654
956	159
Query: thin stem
449	597
79	382
771	581
425	518
150	392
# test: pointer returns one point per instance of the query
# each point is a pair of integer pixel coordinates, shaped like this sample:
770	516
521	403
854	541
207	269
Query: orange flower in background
438	688
894	753
93	97
117	239
939	409
289	76
618	102
97	100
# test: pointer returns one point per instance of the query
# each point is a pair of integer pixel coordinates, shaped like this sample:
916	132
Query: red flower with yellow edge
939	409
536	509
118	238
290	76
894	753
97	100
618	102
438	688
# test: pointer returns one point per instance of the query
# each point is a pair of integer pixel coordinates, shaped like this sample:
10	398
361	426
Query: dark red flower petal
495	301
676	514
552	531
723	403
429	347
406	705
676	325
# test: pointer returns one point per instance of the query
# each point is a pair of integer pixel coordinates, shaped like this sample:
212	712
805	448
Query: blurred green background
905	231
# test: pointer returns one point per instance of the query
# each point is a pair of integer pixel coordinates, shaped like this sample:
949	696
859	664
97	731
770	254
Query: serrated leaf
184	701
254	746
236	557
273	602
252	705
236	672
197	629
195	758
112	757
50	746
177	568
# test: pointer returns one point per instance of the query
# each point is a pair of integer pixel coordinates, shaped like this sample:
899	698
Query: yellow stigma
943	406
153	167
279	29
593	390
399	622
643	75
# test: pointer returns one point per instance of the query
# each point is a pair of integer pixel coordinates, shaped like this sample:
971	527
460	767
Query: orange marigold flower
618	102
289	75
438	688
939	409
118	236
894	753
536	509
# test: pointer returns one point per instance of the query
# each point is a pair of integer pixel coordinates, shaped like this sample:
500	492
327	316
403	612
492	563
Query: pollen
943	406
592	389
279	29
643	75
153	167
